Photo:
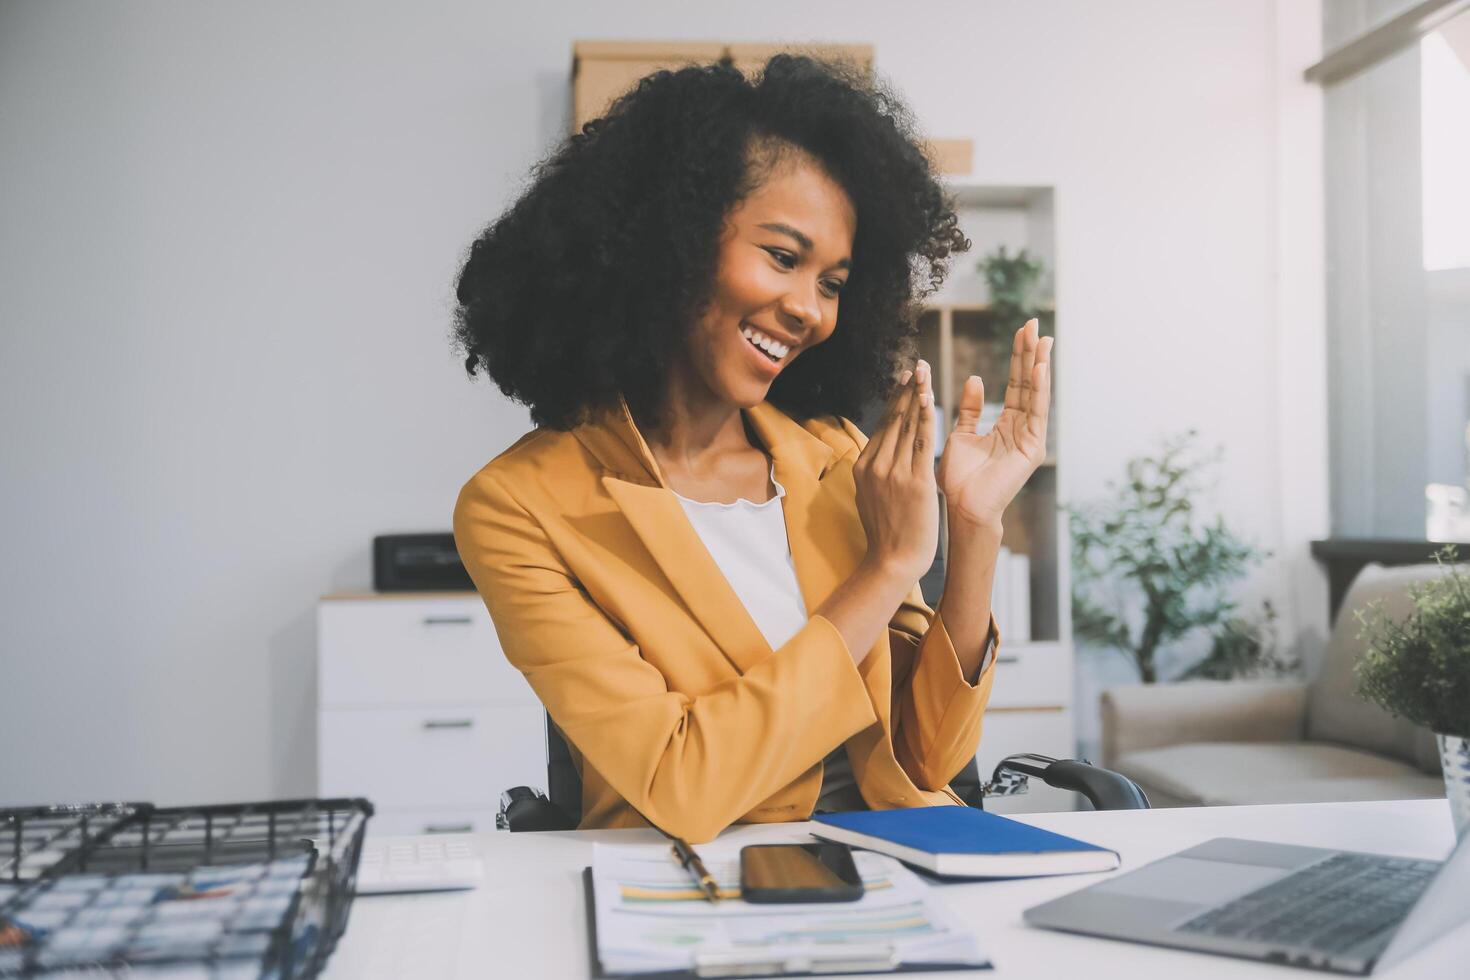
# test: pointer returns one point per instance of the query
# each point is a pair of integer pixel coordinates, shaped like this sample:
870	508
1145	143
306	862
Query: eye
833	286
785	258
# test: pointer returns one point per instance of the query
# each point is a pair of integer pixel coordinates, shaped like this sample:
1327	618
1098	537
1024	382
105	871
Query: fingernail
903	379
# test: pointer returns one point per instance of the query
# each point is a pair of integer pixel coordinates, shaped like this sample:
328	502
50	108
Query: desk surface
526	920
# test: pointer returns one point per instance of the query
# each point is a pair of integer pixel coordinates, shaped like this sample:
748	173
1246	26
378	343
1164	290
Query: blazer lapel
636	485
660	523
826	541
816	518
821	515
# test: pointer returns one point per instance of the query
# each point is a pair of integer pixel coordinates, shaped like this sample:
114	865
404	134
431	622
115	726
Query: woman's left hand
981	474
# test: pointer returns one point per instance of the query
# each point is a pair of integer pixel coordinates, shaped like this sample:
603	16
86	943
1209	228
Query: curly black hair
585	287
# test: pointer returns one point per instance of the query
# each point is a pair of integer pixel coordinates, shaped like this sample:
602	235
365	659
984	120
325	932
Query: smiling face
784	257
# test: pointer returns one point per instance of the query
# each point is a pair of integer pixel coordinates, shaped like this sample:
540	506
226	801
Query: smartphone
822	872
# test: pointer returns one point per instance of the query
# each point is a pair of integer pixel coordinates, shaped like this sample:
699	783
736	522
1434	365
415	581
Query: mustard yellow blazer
677	710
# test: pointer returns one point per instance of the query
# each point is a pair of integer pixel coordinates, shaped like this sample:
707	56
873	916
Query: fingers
1014	378
1028	360
1040	410
972	405
893	422
907	423
1023	358
921	433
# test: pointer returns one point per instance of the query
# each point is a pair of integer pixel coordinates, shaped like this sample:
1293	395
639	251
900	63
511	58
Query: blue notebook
960	841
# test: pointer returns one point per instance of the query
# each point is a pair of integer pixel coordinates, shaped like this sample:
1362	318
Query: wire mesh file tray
244	890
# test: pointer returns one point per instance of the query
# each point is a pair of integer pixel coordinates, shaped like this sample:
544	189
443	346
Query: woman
705	572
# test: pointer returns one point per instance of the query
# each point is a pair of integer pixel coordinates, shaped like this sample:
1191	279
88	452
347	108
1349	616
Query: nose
800	303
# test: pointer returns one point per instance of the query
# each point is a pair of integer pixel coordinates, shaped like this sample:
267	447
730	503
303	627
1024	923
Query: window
1397	142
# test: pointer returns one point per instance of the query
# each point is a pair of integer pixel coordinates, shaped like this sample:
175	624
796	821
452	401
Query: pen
691	863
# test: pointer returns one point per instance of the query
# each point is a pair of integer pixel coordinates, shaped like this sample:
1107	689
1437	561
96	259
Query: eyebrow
801	239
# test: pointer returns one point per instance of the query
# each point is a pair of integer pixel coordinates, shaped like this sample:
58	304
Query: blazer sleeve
936	711
691	765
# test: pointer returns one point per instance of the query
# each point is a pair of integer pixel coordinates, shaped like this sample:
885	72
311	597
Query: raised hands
895	482
981	474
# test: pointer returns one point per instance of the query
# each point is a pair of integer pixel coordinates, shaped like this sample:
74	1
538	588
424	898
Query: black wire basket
247	890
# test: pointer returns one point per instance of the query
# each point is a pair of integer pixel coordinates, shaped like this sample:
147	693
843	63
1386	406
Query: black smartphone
822	872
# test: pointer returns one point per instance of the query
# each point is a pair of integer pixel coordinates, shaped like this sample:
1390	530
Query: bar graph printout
651	918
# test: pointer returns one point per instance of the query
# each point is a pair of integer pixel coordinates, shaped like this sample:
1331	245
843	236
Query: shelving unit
1031	707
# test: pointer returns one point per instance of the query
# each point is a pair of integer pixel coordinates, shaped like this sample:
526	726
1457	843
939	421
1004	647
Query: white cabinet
1032	675
419	711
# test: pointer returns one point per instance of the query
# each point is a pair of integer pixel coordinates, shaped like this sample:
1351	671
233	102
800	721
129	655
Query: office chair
524	808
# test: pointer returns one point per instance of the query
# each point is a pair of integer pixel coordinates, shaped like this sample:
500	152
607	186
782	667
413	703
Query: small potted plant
1419	668
1013	280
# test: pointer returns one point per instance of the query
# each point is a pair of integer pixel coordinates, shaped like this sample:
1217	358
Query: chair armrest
1104	789
523	808
1155	715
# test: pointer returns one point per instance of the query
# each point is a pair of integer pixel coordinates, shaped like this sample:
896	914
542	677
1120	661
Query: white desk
527	920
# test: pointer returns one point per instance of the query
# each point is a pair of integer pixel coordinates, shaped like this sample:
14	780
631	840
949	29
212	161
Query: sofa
1207	743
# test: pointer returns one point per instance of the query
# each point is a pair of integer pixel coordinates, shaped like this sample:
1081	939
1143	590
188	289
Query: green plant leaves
1147	545
1419	667
1013	280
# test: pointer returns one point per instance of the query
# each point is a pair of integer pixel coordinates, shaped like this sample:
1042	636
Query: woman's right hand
896	496
899	507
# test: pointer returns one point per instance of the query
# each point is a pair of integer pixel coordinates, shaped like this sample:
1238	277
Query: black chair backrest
563	785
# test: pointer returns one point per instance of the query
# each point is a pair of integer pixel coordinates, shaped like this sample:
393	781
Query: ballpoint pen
691	862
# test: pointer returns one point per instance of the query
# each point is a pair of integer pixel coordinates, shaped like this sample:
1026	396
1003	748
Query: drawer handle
448	620
437	723
449	828
1012	659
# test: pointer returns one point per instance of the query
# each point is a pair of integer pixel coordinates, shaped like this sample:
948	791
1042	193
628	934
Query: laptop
1343	911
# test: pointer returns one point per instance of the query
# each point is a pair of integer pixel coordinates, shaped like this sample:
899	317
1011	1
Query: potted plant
1419	668
1013	282
1149	571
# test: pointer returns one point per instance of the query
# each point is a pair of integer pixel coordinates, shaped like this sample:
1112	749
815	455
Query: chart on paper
649	917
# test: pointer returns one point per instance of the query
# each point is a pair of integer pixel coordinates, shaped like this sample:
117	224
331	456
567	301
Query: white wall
228	234
1447	375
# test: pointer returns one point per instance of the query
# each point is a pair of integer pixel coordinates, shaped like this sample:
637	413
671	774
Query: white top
748	542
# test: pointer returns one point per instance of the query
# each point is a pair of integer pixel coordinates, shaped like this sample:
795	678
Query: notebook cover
599	974
954	830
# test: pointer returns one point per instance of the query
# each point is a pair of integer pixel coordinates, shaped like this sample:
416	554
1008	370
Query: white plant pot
1454	757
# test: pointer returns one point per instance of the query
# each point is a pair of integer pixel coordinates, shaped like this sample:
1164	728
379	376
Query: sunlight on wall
1445	108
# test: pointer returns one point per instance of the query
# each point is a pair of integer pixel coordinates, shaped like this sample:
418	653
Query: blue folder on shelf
962	842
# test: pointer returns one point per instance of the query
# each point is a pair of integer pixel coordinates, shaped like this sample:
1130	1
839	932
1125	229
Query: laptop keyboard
1331	906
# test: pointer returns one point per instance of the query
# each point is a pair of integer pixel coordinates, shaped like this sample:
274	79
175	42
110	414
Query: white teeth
775	348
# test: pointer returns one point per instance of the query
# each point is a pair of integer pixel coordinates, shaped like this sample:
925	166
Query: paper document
650	917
